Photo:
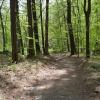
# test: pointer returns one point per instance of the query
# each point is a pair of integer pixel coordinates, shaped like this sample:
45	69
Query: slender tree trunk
31	51
78	27
3	29
5	24
46	28
13	31
67	35
35	27
3	32
68	47
42	31
87	37
70	29
20	41
87	11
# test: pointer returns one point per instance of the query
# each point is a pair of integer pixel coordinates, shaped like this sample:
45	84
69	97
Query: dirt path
49	78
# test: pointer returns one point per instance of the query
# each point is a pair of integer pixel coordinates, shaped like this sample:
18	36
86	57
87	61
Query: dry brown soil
56	77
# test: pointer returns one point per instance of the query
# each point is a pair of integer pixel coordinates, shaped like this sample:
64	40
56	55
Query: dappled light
57	79
49	50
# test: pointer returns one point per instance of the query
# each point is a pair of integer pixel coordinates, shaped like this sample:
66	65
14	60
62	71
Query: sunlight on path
45	79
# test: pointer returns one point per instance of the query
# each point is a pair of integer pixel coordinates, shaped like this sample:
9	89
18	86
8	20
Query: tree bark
31	51
20	41
46	28
70	29
3	33
13	31
3	29
67	36
35	27
42	31
87	11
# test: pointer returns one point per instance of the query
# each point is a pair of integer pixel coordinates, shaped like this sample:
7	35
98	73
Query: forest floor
57	77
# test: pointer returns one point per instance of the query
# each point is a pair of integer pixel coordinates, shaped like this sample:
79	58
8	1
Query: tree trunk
3	29
3	32
67	36
35	27
87	11
42	31
13	30
46	28
87	37
20	41
70	29
31	51
78	28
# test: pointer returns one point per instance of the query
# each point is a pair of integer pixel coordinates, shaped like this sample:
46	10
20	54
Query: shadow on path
48	78
64	80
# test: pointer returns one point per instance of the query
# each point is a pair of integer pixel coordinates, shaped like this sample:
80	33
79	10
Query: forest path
56	77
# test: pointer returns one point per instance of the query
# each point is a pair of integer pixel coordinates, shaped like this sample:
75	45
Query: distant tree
3	28
67	36
35	27
20	41
13	31
31	51
60	24
87	12
78	27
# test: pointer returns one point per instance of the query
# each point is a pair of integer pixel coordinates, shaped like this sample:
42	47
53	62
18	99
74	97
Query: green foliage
97	47
58	34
